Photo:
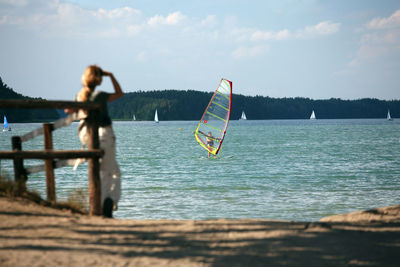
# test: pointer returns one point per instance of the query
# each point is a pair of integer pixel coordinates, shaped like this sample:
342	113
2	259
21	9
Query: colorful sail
6	126
210	131
5	122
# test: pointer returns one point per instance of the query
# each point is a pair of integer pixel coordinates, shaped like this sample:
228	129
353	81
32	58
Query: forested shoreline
23	115
190	105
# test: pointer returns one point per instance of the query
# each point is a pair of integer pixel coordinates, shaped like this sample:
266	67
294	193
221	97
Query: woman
109	169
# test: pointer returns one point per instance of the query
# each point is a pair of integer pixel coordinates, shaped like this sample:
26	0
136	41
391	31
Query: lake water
287	169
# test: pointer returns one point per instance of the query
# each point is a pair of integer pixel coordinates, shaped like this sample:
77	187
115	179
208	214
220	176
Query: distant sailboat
156	117
6	127
389	118
243	117
134	117
312	117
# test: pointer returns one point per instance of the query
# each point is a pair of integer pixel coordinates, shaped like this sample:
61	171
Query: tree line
24	115
190	105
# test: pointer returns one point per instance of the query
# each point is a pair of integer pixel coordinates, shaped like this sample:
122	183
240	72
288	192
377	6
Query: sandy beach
34	235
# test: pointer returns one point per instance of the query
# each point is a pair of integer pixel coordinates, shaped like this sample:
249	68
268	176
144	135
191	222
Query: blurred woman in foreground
109	170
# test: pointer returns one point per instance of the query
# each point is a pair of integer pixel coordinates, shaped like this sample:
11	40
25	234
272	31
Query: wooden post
49	163
94	167
19	170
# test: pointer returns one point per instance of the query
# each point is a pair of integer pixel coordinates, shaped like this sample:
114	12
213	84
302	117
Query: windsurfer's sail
210	131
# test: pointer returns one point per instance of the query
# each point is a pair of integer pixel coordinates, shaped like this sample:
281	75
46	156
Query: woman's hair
91	77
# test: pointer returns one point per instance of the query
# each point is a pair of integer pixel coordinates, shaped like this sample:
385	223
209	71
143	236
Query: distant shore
34	235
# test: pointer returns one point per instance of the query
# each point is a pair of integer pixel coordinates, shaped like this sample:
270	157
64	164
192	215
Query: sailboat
243	117
6	127
389	118
312	117
156	117
134	117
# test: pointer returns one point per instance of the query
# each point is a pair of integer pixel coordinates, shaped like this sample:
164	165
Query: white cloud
171	19
124	12
109	33
385	23
173	35
210	21
366	54
380	41
266	35
322	28
61	19
262	35
256	35
53	18
157	19
382	37
281	35
241	34
133	30
174	18
250	52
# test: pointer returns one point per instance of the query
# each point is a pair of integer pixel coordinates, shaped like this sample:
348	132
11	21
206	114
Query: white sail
156	117
389	118
134	117
312	117
243	117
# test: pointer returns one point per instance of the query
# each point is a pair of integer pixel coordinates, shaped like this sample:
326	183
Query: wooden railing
56	159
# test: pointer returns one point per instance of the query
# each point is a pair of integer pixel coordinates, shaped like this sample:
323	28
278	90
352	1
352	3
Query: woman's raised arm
117	88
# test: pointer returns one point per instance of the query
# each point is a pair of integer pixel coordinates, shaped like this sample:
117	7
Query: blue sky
289	48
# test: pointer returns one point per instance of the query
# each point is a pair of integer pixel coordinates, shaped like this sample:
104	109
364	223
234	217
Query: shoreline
34	235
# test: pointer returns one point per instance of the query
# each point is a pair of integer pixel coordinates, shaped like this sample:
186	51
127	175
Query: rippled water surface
292	169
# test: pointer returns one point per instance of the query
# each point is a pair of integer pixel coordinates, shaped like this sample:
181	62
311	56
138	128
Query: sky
348	49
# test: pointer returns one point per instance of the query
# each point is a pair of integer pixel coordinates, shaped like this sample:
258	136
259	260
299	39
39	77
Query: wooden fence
56	159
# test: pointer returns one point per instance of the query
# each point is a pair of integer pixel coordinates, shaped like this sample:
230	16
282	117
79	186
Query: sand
33	235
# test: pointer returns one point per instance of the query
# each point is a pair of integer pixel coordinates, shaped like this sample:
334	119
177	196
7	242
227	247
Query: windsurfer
210	142
215	119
